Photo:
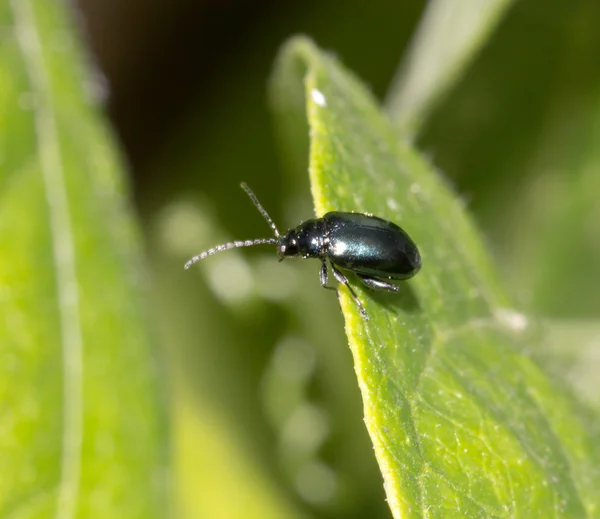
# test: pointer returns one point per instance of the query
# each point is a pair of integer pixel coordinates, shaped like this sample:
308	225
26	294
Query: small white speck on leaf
318	97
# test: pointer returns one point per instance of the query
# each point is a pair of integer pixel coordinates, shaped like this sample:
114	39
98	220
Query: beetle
376	250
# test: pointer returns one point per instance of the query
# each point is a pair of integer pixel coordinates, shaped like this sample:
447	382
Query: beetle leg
324	276
344	280
377	283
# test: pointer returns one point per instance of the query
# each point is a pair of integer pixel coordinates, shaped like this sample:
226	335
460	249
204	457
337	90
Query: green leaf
448	38
463	421
81	418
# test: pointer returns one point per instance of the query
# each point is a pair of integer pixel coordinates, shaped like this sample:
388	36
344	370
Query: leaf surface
464	422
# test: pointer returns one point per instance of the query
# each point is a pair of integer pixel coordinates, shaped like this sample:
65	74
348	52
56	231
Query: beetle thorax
306	240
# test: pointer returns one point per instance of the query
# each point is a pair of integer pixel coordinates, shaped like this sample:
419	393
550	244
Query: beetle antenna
261	209
227	246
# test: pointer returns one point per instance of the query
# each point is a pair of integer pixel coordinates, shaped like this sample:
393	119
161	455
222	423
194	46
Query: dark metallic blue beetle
373	248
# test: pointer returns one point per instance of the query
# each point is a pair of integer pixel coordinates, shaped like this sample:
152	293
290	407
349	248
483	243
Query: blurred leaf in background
448	38
82	418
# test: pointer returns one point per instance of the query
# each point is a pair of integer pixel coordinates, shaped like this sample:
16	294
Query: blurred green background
266	413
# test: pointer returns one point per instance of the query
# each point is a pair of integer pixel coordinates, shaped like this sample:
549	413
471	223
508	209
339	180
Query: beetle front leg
344	280
324	276
377	283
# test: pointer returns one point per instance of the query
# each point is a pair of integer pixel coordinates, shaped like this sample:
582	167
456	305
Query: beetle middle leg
377	283
344	280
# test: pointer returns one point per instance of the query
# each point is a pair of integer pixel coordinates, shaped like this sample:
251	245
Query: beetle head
288	245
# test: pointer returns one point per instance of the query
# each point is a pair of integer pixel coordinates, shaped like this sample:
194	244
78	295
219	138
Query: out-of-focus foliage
264	403
448	37
82	423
